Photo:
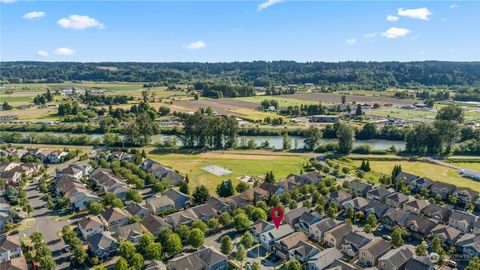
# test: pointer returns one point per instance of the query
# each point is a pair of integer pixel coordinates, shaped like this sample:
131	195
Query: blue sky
220	31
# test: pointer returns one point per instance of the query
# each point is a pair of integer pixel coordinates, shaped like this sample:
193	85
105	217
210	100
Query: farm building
324	118
471	174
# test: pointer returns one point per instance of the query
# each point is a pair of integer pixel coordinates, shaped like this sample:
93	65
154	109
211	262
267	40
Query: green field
432	171
282	102
240	164
468	165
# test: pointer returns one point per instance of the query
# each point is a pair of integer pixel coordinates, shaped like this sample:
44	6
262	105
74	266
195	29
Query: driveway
49	227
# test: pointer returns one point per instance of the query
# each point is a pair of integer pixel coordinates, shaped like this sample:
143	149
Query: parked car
387	237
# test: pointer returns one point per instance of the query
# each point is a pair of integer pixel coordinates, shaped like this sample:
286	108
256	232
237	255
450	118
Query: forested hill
259	73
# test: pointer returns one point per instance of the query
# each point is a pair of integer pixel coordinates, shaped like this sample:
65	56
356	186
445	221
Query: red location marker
277	216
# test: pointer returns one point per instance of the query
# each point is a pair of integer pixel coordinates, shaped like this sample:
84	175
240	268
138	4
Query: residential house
136	209
307	219
272	188
80	200
396	258
156	265
154	224
405	177
393	217
371	252
462	221
268	239
114	218
14	264
442	189
71	170
420	227
291	217
466	195
353	242
259	227
5	218
419	263
415	206
204	212
102	244
339	197
304	252
161	172
356	204
361	188
219	205
447	234
438	213
10	247
335	236
290	183
376	208
378	193
185	217
131	232
469	244
340	265
476	227
396	199
287	243
421	183
56	156
109	183
324	259
310	178
246	198
90	225
207	258
158	204
317	230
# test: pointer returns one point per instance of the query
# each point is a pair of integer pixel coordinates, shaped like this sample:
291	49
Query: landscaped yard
239	164
432	171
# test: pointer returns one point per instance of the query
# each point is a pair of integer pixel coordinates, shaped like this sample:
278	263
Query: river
275	142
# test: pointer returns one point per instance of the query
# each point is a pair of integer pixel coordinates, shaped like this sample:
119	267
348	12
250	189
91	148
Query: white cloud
268	4
392	18
79	22
64	51
370	35
419	13
195	45
7	1
453	6
42	53
351	41
34	15
395	32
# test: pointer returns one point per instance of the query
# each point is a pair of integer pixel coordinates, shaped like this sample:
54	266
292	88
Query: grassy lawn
403	114
254	115
432	171
468	165
238	164
282	102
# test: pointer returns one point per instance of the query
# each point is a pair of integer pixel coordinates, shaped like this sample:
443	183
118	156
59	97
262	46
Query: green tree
199	224
127	249
474	264
241	255
225	189
257	214
256	266
196	238
173	244
312	137
137	262
269	177
134	195
287	143
421	249
247	239
397	236
226	245
184	187
213	224
200	194
121	264
294	265
450	113
242	186
225	219
241	222
345	135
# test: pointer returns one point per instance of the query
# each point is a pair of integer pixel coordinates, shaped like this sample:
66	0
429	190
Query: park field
251	164
282	102
423	169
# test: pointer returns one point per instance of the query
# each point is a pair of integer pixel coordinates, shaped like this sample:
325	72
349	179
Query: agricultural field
467	165
432	171
250	164
282	102
336	98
